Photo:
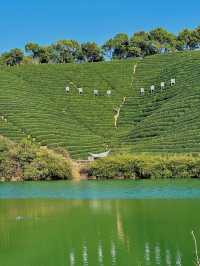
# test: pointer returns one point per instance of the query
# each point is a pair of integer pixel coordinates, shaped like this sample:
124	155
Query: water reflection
72	258
178	258
157	254
101	233
168	257
113	253
157	260
85	254
120	231
147	253
100	254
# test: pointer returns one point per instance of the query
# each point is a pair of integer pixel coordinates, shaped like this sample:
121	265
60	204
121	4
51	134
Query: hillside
33	102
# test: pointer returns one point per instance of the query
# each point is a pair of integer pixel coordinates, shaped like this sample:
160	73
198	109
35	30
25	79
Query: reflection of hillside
98	233
101	205
153	255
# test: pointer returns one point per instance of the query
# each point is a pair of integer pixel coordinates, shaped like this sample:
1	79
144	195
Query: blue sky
45	21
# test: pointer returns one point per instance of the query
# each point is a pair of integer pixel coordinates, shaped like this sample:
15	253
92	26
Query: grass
34	103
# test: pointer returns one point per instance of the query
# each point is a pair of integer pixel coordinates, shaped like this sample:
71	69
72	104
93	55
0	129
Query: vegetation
34	103
146	166
121	46
28	161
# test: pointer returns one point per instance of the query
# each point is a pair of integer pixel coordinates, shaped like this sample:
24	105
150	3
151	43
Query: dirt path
79	170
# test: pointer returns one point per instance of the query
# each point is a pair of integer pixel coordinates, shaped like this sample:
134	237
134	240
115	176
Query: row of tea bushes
28	161
146	166
34	102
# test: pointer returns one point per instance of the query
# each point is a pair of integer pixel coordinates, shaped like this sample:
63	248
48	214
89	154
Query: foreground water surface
99	223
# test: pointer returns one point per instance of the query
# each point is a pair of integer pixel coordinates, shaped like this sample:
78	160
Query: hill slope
33	102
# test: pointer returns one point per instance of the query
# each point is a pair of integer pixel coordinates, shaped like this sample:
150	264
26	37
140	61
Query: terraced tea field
33	102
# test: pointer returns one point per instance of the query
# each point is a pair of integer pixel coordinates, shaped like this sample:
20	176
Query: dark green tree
197	36
117	48
39	54
91	52
189	38
45	54
33	50
165	40
13	57
134	51
66	51
142	40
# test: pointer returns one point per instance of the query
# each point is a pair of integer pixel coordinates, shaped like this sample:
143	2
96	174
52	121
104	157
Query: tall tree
134	51
33	50
118	47
189	38
39	54
92	52
166	41
108	49
142	40
66	51
45	54
13	57
197	36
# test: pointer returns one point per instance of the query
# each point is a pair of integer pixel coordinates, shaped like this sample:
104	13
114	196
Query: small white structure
96	92
80	91
108	93
94	156
67	89
152	88
162	85
173	82
142	91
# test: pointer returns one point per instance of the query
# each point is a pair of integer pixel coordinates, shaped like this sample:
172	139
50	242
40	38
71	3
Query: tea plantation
33	102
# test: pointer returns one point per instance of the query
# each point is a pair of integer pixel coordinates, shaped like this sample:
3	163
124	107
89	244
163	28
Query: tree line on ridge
121	46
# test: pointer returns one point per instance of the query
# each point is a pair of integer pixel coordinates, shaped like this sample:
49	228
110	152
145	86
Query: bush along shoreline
146	166
28	161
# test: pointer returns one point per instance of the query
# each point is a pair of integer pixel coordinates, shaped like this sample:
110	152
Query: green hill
33	102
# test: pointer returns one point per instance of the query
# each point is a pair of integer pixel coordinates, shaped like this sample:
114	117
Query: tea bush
34	102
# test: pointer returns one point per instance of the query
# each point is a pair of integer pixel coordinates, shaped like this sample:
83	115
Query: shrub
24	152
47	165
9	170
146	166
28	161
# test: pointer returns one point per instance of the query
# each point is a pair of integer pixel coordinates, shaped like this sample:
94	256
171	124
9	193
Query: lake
94	223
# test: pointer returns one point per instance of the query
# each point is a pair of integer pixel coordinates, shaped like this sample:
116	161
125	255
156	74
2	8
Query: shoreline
27	161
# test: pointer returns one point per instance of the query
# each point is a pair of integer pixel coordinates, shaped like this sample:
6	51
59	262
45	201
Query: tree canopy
121	46
12	57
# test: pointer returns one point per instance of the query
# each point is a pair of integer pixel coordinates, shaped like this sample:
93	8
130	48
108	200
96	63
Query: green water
121	223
